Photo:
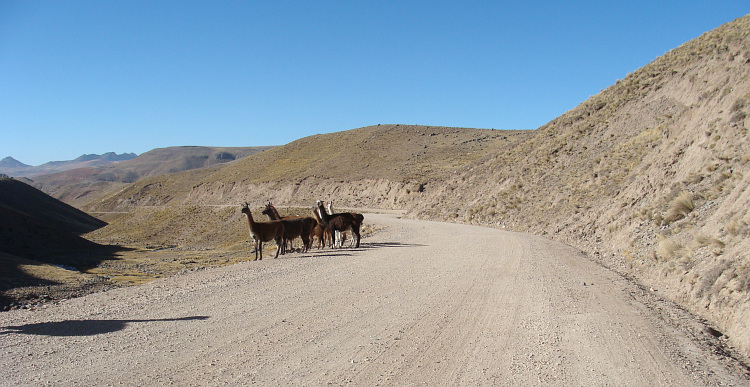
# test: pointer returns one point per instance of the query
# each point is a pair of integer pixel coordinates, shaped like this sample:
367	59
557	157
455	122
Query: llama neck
250	221
323	215
275	213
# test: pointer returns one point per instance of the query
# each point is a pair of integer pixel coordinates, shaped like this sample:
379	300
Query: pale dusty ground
419	303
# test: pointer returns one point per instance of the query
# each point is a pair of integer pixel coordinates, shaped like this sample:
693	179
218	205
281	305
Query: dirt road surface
421	303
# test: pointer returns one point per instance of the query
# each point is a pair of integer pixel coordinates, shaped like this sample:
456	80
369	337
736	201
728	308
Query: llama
320	231
341	222
294	226
340	236
264	232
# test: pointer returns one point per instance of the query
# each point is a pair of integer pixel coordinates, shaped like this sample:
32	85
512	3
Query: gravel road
420	303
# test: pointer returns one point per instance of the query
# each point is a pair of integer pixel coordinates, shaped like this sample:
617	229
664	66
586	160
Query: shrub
667	249
681	206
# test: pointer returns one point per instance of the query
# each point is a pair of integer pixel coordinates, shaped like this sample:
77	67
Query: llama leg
355	230
279	245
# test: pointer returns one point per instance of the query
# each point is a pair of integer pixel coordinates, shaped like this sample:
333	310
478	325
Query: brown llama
341	222
294	227
321	231
264	232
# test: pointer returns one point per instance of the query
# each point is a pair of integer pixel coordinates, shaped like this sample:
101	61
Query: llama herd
326	226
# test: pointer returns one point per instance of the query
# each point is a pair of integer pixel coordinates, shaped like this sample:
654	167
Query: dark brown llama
341	222
294	227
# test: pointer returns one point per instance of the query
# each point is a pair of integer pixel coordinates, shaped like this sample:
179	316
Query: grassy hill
371	166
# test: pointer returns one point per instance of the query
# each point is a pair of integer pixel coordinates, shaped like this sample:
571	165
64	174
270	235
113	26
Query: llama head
268	210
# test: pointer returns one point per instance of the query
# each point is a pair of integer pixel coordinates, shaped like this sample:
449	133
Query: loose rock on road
420	303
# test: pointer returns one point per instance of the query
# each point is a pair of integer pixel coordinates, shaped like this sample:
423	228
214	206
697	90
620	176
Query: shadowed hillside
31	203
38	232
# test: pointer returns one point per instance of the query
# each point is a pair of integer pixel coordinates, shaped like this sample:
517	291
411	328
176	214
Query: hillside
81	185
389	162
650	177
38	233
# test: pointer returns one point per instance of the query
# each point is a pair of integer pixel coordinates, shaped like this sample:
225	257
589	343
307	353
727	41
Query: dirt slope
492	308
371	158
651	177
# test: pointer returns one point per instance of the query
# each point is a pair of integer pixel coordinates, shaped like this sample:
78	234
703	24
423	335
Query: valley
646	185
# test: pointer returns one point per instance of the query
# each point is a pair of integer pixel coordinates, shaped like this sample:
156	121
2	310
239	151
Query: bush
681	206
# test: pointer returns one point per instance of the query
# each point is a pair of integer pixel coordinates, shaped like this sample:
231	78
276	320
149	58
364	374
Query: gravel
419	303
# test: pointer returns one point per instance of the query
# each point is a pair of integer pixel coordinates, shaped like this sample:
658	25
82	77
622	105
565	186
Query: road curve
420	303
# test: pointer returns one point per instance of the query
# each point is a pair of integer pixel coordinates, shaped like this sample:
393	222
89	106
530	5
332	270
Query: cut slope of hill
387	161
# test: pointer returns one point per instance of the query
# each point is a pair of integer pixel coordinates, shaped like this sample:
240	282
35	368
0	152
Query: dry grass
680	206
667	249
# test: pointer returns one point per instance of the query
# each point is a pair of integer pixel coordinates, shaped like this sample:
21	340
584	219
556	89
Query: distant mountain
109	156
11	163
79	185
15	168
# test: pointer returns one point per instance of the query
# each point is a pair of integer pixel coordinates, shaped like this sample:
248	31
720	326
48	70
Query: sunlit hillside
650	177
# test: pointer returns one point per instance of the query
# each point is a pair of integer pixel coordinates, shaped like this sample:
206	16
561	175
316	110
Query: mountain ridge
15	168
78	186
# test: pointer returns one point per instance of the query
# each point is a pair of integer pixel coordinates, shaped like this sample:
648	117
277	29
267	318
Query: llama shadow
380	245
83	327
348	251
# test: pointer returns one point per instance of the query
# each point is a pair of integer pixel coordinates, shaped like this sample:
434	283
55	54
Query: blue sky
82	77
